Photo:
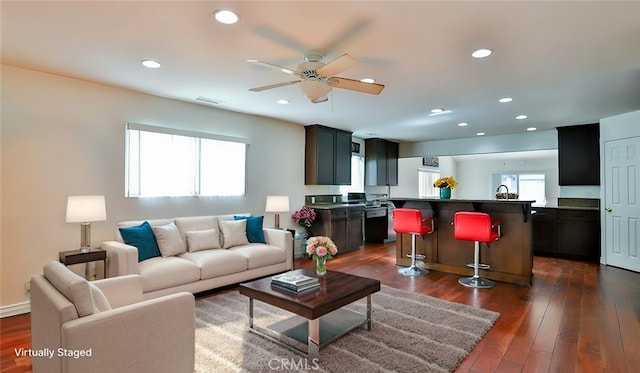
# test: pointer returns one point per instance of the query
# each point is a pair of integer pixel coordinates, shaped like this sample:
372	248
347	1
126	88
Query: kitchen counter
510	258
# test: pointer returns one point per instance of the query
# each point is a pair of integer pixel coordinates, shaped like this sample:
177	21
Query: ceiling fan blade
356	85
265	87
270	65
338	65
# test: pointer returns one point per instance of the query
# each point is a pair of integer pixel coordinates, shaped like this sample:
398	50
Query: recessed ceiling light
225	16
480	134
531	129
463	124
521	116
368	80
150	64
208	100
481	53
437	111
505	100
283	102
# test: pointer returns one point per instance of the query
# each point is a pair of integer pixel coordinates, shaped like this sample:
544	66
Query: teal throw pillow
254	228
143	239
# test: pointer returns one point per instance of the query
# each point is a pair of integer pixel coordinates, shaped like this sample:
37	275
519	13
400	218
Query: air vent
210	101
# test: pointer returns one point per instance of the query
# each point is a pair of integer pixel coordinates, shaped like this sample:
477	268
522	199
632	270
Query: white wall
63	136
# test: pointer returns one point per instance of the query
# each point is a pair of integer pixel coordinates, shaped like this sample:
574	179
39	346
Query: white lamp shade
84	209
277	204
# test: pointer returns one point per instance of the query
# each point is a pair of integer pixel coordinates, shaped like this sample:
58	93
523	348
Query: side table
76	257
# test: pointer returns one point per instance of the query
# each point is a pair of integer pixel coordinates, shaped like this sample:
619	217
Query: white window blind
426	178
169	162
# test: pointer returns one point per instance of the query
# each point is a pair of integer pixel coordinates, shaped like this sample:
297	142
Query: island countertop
510	258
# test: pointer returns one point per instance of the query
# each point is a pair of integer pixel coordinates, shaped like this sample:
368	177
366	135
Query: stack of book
295	283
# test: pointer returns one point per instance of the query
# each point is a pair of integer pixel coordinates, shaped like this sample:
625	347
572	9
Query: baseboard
15	309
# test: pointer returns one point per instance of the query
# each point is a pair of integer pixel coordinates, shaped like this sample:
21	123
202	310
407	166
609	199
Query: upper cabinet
327	156
381	159
579	154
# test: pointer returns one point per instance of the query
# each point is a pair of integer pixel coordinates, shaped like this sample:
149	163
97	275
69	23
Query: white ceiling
564	63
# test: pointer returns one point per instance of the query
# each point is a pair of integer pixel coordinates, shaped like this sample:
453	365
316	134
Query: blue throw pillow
143	239
254	228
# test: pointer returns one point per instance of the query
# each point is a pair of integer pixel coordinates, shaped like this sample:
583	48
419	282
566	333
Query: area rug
410	333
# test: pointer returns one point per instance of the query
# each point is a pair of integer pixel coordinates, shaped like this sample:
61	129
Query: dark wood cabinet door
544	231
342	158
326	157
392	163
355	230
579	154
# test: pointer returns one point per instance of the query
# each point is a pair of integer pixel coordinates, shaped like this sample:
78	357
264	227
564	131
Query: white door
622	203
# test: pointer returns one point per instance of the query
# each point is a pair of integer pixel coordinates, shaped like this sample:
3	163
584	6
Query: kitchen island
510	258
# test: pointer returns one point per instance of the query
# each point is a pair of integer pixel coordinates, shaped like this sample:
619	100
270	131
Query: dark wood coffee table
320	317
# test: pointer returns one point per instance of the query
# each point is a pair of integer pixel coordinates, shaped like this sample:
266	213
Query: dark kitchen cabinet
342	224
327	156
381	162
568	233
579	154
544	221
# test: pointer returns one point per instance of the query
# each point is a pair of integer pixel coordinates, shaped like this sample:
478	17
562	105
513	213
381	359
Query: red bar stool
410	221
477	227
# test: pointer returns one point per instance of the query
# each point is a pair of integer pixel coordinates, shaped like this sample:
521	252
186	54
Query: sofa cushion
234	233
259	255
215	263
254	228
196	223
165	272
142	237
169	240
76	289
203	240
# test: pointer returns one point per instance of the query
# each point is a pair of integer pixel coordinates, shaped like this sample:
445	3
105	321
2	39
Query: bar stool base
413	271
476	282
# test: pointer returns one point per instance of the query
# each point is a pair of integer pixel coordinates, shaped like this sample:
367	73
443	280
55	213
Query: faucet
498	190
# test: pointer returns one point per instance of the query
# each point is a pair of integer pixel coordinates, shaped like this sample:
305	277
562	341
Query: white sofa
106	326
194	267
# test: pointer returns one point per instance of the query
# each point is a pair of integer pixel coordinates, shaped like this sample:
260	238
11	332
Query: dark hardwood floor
577	316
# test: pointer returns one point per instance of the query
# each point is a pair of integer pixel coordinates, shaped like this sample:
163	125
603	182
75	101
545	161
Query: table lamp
277	204
84	210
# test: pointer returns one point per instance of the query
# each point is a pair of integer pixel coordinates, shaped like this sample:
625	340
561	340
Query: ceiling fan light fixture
315	90
226	16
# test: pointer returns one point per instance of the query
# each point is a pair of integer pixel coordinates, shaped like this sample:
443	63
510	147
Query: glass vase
445	193
321	265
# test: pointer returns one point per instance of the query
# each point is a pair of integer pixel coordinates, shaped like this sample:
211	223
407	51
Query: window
169	162
357	175
528	186
426	178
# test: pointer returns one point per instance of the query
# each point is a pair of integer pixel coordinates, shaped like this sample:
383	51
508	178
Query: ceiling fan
317	78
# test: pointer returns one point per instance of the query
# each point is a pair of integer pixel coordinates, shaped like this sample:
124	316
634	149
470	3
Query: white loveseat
200	253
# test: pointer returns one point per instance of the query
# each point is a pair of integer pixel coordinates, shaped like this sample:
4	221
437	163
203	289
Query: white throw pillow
234	233
203	240
169	240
